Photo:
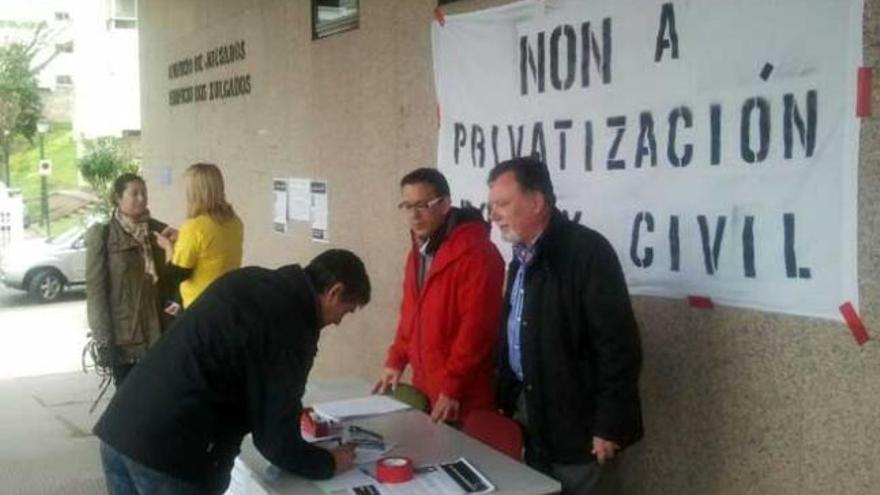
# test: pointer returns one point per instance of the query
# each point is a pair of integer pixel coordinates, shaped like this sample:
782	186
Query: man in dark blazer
570	353
234	363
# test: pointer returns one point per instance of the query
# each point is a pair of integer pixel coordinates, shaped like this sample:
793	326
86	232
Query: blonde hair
205	193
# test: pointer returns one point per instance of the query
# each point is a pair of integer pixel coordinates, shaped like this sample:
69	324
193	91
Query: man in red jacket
452	295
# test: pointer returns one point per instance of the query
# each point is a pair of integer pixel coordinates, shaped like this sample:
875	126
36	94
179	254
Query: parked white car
46	267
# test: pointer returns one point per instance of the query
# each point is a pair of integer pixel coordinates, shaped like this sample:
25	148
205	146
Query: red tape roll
863	93
394	470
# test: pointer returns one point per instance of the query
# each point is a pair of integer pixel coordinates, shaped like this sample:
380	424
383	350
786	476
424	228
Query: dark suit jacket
580	347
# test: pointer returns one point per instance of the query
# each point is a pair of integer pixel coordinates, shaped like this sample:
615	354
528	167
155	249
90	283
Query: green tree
103	162
20	102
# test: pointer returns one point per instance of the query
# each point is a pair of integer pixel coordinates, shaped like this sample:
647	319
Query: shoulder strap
105	236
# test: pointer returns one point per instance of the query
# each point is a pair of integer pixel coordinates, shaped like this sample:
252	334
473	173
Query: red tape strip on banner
863	94
440	16
860	333
701	302
394	470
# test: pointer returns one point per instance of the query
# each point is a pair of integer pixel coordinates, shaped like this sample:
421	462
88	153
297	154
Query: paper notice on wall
166	176
319	211
299	200
279	213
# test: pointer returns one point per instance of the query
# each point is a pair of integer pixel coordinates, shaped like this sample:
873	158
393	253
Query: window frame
115	21
334	27
66	47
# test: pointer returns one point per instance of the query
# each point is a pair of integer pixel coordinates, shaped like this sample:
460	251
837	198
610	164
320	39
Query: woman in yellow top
209	242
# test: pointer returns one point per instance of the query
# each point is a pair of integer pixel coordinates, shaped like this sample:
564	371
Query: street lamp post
6	135
42	128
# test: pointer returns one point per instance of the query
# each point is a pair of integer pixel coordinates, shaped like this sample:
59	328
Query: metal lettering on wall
218	89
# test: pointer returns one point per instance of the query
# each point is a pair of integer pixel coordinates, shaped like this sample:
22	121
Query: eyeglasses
421	206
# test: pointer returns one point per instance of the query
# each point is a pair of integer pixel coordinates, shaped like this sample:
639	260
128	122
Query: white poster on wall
279	210
320	211
714	143
299	200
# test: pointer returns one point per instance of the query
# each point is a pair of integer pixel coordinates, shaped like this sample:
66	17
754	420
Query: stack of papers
372	405
454	478
369	446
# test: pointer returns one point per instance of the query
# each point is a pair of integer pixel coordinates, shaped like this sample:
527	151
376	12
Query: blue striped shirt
524	254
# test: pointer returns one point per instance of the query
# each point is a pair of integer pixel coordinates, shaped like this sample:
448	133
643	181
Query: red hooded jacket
448	329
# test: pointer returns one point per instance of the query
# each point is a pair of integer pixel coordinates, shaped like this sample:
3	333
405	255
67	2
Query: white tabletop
416	437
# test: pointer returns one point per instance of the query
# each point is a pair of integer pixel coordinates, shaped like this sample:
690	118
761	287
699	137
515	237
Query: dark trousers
125	476
120	371
590	478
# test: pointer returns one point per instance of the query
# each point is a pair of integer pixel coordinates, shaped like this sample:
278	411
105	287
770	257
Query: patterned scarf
139	229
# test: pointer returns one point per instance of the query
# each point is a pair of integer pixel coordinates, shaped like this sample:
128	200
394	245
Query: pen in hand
343	457
367	472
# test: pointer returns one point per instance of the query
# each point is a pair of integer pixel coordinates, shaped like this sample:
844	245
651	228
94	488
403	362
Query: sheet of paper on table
242	481
369	445
363	453
454	478
363	406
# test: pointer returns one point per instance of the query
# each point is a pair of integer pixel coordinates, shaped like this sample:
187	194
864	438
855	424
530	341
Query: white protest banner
714	143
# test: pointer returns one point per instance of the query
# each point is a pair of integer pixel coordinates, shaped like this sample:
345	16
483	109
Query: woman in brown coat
125	286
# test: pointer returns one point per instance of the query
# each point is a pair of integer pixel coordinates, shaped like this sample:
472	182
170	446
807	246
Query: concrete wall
736	401
355	109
